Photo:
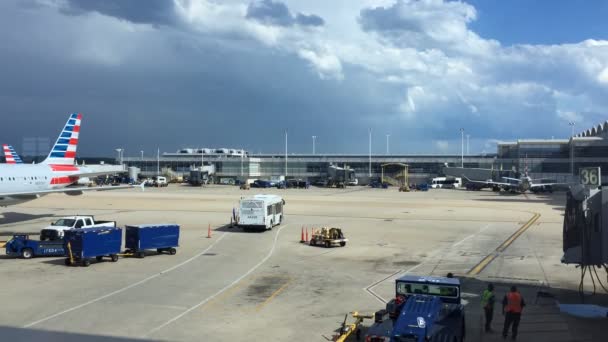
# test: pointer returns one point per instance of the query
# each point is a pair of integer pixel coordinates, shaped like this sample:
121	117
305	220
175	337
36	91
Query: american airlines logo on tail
64	150
10	155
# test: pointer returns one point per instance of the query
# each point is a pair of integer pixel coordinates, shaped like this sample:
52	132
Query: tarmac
238	286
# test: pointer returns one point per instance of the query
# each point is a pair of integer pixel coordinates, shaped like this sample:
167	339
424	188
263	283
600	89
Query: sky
169	74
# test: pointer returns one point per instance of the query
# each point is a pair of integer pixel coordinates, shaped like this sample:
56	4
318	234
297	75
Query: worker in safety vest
512	306
487	303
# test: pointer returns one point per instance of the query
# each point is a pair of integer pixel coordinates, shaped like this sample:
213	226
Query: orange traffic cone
209	231
302	236
306	235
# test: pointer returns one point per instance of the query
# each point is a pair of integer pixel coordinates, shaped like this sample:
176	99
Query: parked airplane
520	185
24	182
10	155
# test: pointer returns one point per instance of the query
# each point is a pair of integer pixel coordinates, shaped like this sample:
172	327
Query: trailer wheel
86	262
114	257
99	258
172	251
160	250
342	243
312	242
327	244
141	255
68	262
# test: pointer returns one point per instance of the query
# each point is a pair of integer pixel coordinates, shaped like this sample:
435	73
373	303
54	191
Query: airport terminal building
557	159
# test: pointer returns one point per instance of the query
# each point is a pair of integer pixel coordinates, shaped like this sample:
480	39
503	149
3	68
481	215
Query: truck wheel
342	243
85	262
327	244
141	255
68	262
99	258
114	257
27	253
172	251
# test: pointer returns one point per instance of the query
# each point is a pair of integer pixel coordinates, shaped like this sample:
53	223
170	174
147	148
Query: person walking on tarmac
487	303
512	306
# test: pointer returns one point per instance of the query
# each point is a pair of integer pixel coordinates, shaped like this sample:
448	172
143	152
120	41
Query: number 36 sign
591	176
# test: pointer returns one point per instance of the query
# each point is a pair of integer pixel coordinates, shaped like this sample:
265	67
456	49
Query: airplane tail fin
10	155
64	150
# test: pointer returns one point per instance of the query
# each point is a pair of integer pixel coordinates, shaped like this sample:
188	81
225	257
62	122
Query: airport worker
512	306
487	303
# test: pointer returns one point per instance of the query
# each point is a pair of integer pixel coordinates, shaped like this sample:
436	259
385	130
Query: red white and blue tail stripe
64	150
10	155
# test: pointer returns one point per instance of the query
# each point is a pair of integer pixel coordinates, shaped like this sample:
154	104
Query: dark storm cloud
155	12
309	20
269	12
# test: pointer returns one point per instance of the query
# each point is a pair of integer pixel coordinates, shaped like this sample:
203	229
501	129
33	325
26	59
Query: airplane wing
538	185
512	179
70	191
488	182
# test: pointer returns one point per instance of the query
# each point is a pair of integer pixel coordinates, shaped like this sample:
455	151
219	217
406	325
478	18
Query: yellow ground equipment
396	174
328	237
348	329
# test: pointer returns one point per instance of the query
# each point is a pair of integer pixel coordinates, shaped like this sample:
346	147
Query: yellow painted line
274	294
503	246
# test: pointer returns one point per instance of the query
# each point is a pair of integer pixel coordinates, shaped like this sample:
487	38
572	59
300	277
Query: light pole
158	162
142	155
468	153
119	159
571	124
387	144
314	141
462	147
286	153
370	153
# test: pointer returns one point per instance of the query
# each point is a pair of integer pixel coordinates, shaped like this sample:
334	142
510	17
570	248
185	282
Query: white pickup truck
56	229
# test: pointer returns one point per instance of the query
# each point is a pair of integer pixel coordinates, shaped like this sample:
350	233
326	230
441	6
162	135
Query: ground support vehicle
22	246
260	211
328	237
422	187
162	237
82	245
424	309
56	230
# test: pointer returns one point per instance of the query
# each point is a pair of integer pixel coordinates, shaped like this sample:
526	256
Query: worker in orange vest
512	306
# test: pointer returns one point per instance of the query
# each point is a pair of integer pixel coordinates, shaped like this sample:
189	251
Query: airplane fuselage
31	178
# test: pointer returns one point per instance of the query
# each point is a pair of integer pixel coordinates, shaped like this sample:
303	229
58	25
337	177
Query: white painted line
370	289
236	281
126	287
471	236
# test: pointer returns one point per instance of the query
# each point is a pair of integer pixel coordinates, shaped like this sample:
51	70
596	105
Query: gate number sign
590	176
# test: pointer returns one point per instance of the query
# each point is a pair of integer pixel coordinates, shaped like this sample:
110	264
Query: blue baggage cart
162	237
82	245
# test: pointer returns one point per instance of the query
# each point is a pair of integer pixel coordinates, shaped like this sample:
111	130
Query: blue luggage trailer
162	237
82	245
21	246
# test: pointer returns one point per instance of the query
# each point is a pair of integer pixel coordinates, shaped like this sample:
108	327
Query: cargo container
162	237
82	245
